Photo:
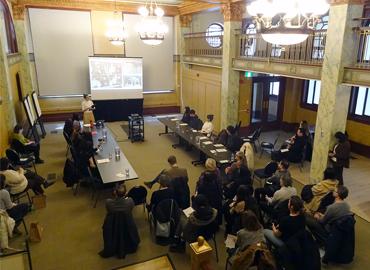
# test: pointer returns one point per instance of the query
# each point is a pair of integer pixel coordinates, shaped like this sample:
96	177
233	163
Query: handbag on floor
39	201
35	232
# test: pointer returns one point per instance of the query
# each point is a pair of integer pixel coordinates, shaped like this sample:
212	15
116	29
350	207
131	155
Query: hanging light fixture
116	33
287	22
151	29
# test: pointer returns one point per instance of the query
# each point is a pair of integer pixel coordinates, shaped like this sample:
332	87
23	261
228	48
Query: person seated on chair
320	223
289	225
15	211
204	216
285	192
207	127
186	115
223	136
248	151
209	184
320	190
293	152
272	183
120	202
250	233
234	142
194	121
237	174
68	127
173	172
163	193
233	208
20	180
27	145
84	151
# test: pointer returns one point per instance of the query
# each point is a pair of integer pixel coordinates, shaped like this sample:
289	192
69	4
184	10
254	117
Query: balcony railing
204	44
311	51
363	54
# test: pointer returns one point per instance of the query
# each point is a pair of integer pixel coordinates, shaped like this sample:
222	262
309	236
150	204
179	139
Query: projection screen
116	78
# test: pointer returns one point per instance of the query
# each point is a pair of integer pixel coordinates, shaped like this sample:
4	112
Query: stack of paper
174	119
207	142
203	138
104	160
221	150
183	124
213	151
230	241
188	211
284	150
219	145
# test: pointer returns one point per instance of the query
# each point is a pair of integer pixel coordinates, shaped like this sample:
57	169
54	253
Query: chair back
259	131
67	138
13	156
138	194
17	146
182	192
166	211
327	200
270	168
208	231
276	139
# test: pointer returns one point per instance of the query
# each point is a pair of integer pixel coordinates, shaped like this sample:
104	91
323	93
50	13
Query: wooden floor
161	263
356	178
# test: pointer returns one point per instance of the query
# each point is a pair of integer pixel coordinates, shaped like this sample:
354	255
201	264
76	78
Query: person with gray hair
284	193
163	193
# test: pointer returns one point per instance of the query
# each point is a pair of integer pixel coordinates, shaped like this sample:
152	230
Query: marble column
340	51
183	26
7	116
230	78
20	30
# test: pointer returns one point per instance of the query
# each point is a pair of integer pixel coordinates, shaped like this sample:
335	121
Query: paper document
183	124
213	151
334	159
174	119
203	138
120	175
195	131
207	142
284	150
188	211
219	145
221	150
104	160
230	241
86	125
224	161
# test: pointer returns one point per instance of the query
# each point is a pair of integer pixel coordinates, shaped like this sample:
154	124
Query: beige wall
201	21
201	90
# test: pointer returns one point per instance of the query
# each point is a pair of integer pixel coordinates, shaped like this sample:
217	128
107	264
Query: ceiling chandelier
287	22
151	29
116	33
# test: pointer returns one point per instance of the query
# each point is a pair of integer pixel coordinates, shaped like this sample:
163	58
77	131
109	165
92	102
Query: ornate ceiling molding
233	11
185	20
345	2
190	7
20	5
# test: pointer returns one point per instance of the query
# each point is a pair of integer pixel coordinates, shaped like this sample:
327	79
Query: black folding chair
268	171
138	194
16	159
268	147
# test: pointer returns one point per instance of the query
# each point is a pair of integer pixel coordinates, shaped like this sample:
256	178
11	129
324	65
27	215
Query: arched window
214	35
9	36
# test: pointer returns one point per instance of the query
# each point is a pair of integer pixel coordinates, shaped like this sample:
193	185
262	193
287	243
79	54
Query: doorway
267	102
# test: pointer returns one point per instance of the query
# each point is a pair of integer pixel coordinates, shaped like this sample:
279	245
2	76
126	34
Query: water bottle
117	152
127	171
105	132
232	157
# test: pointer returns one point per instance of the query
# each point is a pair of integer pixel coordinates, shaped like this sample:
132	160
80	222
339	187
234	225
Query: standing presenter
87	109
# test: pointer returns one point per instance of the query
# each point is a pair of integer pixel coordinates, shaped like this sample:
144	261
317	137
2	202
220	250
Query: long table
115	169
198	140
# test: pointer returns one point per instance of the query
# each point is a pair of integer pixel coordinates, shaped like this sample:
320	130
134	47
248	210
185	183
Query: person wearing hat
340	155
209	184
87	108
163	193
207	127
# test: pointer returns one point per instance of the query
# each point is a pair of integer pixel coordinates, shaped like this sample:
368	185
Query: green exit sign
248	74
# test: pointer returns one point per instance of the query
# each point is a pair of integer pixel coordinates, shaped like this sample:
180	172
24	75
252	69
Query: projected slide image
106	75
115	73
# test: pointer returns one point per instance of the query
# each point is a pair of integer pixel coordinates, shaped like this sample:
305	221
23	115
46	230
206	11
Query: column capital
233	11
185	20
347	2
18	11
